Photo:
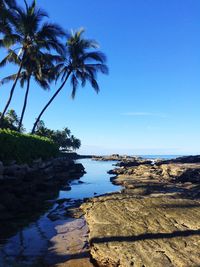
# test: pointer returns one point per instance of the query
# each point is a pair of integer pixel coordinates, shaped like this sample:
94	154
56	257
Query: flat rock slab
69	246
144	232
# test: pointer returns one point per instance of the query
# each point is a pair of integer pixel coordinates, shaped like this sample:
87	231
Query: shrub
25	147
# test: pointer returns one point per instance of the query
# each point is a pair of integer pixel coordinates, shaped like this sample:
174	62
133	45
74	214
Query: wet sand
70	245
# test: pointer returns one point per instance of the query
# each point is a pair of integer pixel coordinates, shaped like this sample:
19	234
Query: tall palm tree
27	31
6	15
39	67
80	64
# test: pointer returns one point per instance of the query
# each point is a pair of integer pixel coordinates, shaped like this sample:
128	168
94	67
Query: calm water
95	181
160	156
31	244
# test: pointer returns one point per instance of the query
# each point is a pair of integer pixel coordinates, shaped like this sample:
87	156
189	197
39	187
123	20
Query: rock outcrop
184	159
116	157
25	189
154	221
128	231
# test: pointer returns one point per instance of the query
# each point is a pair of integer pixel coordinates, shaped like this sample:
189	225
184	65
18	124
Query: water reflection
30	245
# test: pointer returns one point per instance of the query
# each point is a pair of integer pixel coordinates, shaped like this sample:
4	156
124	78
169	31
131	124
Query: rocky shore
154	221
116	157
25	189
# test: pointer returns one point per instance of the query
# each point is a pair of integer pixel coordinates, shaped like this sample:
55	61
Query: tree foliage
35	46
24	147
81	63
27	39
62	138
11	121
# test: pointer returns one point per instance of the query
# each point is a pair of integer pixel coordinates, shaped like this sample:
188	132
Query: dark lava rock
184	159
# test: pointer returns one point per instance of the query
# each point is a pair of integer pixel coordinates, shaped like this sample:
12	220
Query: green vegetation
79	64
24	147
11	121
30	44
43	51
63	139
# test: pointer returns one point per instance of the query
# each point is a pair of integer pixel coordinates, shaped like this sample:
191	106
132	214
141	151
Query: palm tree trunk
11	95
25	103
46	106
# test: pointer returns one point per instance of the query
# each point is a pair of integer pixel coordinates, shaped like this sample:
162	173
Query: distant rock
184	159
115	157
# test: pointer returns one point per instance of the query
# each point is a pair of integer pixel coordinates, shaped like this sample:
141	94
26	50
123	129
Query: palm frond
98	67
96	56
8	79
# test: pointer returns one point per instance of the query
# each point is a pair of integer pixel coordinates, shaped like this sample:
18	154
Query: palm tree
39	67
75	143
11	120
28	32
79	64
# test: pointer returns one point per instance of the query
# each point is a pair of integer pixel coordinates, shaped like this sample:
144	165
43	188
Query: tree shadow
146	236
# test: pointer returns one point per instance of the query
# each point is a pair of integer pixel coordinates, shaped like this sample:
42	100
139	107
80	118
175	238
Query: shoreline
136	190
150	210
25	190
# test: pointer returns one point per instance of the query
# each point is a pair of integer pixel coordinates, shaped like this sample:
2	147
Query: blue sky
149	103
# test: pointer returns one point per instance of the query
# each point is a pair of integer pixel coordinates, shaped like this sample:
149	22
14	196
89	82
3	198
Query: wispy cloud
150	114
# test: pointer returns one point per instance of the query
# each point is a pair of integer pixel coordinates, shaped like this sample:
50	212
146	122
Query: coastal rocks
166	172
190	175
154	221
25	189
38	168
116	157
185	159
133	162
129	231
66	208
16	170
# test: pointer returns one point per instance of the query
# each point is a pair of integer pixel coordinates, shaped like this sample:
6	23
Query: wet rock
66	188
25	189
63	200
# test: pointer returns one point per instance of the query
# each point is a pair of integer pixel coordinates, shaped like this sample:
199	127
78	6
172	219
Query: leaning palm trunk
46	106
11	94
25	103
